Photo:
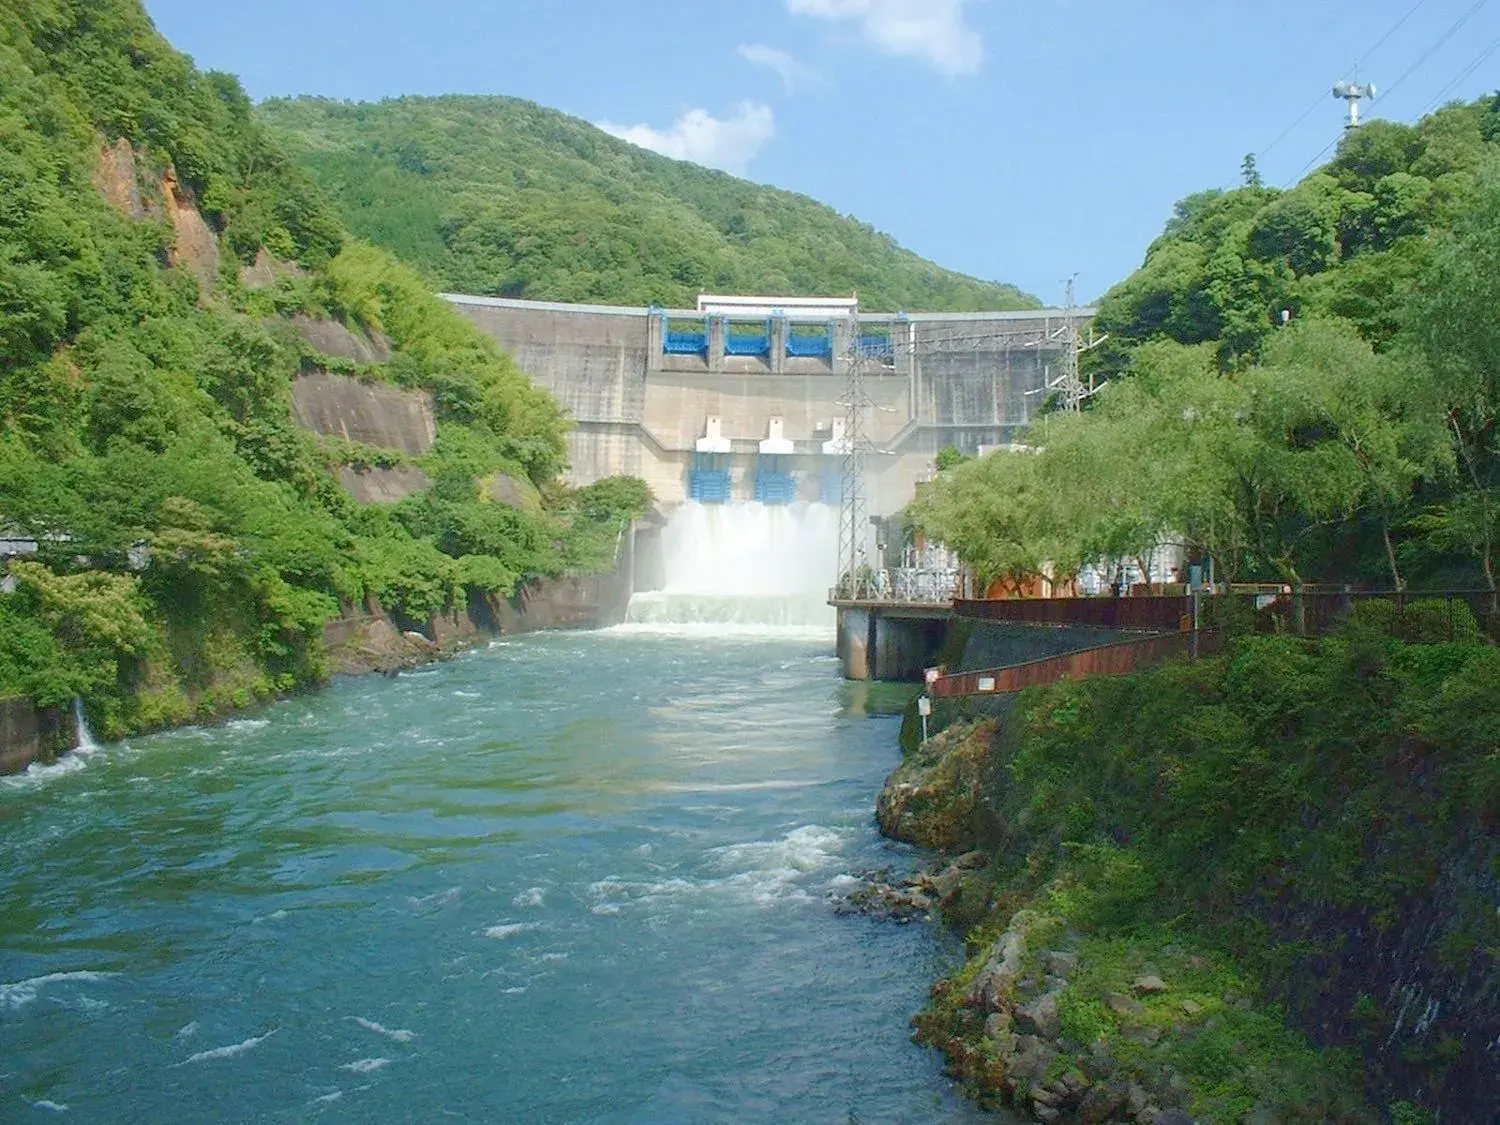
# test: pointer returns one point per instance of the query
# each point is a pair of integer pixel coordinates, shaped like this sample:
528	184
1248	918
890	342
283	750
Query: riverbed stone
1032	1058
1143	1035
1040	1017
1122	1005
1061	964
996	982
1149	984
1102	1103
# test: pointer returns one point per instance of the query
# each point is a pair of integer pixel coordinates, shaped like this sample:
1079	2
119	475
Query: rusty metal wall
1157	614
1106	660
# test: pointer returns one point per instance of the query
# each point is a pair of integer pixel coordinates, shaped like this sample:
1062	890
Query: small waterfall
86	743
745	565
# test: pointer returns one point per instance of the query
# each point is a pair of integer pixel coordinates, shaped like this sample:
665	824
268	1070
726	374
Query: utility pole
852	532
1353	93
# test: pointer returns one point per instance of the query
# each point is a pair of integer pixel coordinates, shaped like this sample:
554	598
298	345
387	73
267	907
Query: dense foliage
498	196
190	539
1320	814
1302	385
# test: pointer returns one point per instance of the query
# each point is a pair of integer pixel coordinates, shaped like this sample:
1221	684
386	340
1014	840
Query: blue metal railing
877	347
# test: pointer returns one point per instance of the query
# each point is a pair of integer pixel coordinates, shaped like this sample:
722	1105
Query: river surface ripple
574	877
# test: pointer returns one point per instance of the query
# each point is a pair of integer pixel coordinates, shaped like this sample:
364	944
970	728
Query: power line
1453	30
1397	27
1468	70
1322	98
1427	54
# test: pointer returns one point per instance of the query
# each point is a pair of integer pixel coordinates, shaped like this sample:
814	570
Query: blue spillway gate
740	339
710	486
693	341
813	345
775	488
709	480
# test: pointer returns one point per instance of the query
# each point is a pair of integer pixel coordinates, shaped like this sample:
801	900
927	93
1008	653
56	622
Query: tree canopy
498	196
191	539
1301	385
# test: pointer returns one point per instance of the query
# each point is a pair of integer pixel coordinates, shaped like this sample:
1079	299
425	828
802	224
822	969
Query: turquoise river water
570	877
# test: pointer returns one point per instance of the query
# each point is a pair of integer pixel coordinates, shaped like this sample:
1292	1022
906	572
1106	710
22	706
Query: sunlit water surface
576	877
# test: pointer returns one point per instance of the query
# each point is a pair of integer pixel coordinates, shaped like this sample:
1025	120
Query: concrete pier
889	641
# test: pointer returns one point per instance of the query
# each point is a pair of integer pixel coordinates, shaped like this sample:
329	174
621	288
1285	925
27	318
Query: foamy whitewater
572	878
745	565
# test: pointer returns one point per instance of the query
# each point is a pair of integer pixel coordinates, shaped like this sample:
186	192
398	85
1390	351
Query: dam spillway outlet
744	564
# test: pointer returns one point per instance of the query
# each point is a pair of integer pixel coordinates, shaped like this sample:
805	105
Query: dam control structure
743	398
745	403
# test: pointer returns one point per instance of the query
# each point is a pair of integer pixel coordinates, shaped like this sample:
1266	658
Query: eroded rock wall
372	413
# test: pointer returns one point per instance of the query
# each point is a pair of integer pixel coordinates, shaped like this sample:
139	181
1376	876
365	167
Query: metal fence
1155	614
1431	616
1117	659
906	585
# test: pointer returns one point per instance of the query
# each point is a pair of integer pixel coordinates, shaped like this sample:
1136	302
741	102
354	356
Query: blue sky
1017	141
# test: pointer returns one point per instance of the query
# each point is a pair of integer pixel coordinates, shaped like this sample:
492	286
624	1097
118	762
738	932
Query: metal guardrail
905	585
1117	659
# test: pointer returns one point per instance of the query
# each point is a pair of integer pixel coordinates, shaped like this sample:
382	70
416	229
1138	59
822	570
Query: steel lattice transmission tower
1069	384
852	504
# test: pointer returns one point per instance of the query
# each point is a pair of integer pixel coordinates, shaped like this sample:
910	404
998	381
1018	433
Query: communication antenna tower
1354	93
852	530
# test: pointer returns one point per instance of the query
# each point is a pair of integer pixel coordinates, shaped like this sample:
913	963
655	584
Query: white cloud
933	30
793	73
730	143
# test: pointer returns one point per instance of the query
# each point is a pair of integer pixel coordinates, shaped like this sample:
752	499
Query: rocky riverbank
1082	1023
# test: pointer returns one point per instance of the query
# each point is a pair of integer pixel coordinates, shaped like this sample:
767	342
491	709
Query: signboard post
924	708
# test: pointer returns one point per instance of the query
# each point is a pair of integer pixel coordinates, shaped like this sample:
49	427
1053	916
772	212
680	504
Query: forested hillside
498	196
181	540
1301	384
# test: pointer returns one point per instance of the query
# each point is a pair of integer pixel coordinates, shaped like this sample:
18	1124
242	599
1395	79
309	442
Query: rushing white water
86	743
744	565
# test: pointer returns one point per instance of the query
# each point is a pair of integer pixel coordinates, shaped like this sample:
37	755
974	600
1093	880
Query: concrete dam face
739	406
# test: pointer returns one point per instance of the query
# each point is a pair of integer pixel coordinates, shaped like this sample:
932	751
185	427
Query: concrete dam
735	413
